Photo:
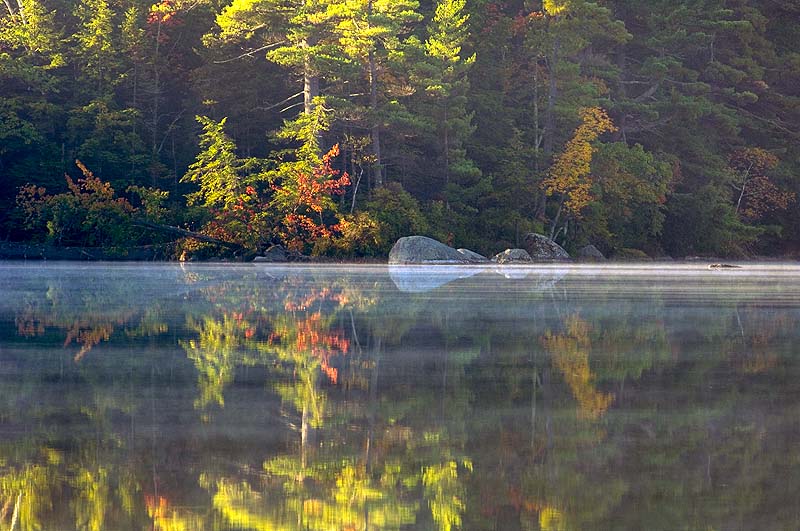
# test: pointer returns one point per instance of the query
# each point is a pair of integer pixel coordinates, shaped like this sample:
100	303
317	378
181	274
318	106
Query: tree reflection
301	402
570	353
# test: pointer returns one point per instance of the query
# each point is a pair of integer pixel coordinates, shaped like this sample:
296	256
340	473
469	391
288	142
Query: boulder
472	256
275	253
512	255
591	253
542	248
424	250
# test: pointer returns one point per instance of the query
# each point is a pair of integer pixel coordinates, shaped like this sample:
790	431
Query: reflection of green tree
445	493
27	493
215	354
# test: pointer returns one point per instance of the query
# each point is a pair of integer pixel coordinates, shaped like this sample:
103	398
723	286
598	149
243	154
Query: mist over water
196	396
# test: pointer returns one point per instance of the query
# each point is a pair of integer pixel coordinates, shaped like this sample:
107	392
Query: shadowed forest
333	127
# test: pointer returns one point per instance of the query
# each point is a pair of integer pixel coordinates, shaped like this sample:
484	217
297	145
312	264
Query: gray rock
472	256
542	248
590	252
276	253
424	250
512	255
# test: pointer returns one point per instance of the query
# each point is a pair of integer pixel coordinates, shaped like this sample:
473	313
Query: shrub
89	214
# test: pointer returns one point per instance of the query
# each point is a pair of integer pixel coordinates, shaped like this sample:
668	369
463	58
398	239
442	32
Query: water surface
349	398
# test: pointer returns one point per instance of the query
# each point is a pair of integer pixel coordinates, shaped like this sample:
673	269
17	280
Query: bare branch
250	53
287	100
292	106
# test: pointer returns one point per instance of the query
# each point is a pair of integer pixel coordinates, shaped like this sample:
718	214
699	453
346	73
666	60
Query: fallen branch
169	229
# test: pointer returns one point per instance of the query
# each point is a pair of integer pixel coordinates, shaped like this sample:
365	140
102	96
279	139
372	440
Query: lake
301	397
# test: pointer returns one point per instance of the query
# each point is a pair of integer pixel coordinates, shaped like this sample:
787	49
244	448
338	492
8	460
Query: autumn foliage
756	193
571	356
302	199
569	175
88	214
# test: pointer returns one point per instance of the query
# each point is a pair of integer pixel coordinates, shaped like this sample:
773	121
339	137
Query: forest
333	127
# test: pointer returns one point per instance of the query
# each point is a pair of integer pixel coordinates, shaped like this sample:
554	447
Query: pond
305	397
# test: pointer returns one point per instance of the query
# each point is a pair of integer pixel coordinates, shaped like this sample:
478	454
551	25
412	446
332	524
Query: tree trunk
552	96
540	203
554	224
745	178
177	231
10	9
154	149
310	83
446	142
310	89
376	126
373	104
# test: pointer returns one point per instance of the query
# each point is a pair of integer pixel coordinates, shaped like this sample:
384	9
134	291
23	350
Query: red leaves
163	13
304	195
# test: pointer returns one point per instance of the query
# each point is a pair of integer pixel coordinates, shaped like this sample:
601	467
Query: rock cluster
424	250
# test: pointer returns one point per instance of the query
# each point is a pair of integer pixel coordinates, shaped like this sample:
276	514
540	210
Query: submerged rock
542	248
424	250
512	255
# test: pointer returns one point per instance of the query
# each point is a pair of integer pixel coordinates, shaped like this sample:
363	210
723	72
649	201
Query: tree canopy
480	112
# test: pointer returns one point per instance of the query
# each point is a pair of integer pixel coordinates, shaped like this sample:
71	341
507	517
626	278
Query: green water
351	398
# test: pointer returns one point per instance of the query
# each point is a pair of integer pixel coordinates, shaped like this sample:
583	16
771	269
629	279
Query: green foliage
630	191
705	223
464	103
359	235
219	173
398	213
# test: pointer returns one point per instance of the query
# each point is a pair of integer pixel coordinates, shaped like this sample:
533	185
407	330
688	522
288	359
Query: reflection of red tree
88	337
157	506
324	294
310	335
86	332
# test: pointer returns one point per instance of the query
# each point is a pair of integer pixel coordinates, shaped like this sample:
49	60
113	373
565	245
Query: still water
180	397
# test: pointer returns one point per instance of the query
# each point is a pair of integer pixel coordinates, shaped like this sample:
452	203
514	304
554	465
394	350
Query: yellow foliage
555	7
569	174
551	519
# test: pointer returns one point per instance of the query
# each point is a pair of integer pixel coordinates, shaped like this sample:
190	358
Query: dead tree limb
169	229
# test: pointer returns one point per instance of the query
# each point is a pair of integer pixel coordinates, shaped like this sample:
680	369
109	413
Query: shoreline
12	251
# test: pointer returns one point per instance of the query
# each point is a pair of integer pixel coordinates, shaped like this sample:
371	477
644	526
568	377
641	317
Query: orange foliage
163	12
305	195
86	332
569	174
757	194
157	507
571	356
310	335
324	294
